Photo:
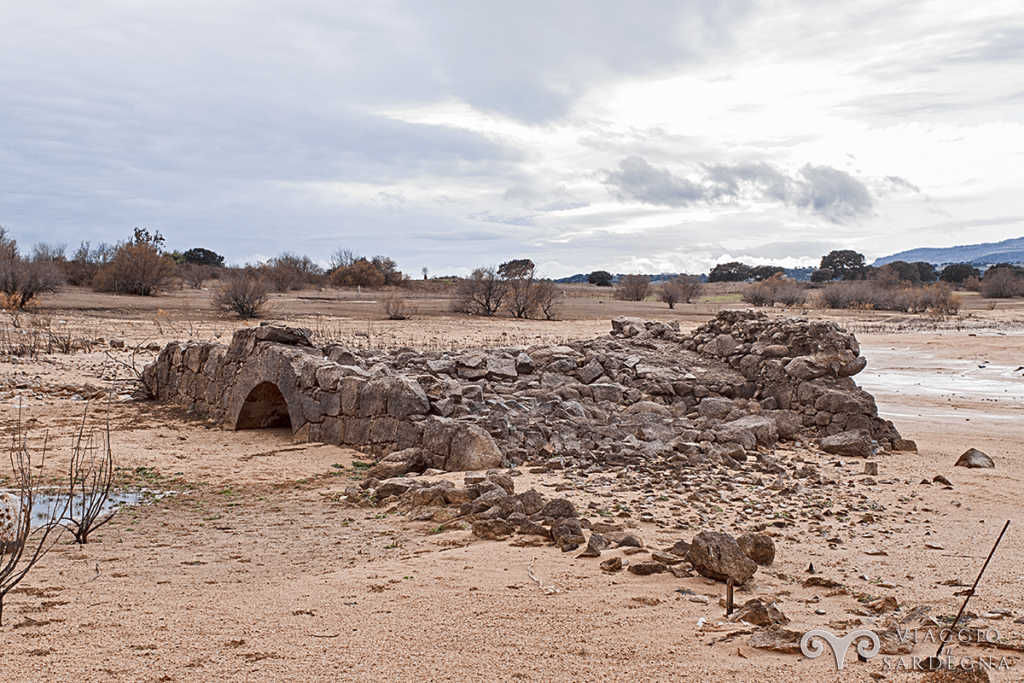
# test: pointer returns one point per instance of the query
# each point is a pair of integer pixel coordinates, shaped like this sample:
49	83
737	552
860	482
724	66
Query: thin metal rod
970	594
728	598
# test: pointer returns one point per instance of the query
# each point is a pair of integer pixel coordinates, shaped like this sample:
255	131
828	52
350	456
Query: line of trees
514	286
141	266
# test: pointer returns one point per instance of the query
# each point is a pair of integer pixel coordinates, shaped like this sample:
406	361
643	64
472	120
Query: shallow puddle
47	505
895	375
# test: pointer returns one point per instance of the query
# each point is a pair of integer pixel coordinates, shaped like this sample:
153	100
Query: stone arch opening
264	408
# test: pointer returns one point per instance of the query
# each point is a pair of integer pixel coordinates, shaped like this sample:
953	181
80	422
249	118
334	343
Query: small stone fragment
595	545
681	548
665	558
778	639
612	564
647	568
883	605
757	613
493	529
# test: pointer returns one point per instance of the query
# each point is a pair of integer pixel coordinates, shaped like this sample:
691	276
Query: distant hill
660	277
792	273
1007	251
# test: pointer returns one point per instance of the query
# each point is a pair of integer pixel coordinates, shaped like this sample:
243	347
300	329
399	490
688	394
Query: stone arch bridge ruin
733	388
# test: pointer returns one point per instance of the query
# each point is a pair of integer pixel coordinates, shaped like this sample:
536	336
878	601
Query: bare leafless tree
482	293
195	274
90	482
633	287
22	545
681	288
520	283
548	298
22	279
396	307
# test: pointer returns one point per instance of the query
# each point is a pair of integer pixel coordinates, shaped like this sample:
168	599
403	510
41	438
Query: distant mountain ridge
1007	251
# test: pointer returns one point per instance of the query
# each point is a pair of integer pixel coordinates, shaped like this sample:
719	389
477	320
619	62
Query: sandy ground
254	571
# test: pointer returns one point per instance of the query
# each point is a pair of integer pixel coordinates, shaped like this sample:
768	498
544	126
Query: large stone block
384	430
405	398
437	436
410	434
717	556
472	449
351	390
332	431
357	431
373	398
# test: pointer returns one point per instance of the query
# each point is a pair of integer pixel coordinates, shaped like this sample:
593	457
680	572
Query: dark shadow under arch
264	408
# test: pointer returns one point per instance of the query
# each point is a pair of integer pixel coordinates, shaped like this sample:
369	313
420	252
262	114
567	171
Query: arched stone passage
264	408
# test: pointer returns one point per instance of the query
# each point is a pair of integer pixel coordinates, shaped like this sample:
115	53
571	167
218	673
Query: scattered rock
595	545
883	605
612	564
625	540
956	675
567	531
972	457
821	582
647	568
666	558
778	639
758	547
493	529
756	612
716	555
681	548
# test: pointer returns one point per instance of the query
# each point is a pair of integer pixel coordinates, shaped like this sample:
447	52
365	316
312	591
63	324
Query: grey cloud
507	219
832	194
793	249
530	60
545	200
637	180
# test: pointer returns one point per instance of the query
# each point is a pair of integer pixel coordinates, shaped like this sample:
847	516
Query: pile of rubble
736	386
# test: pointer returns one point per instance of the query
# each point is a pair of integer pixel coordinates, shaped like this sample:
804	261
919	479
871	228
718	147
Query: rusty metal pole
970	593
728	598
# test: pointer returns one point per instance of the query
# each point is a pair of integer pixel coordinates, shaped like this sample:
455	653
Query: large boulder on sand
972	457
717	556
758	547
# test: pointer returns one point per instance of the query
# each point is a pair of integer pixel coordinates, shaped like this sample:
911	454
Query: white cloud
454	134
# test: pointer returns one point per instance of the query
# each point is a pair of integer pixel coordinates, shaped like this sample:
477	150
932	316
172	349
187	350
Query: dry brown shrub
136	268
1001	283
396	307
245	294
633	287
776	289
682	288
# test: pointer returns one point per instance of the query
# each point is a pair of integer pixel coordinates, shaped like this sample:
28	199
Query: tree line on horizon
141	266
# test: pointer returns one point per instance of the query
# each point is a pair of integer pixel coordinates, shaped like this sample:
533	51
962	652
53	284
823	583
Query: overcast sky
632	137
